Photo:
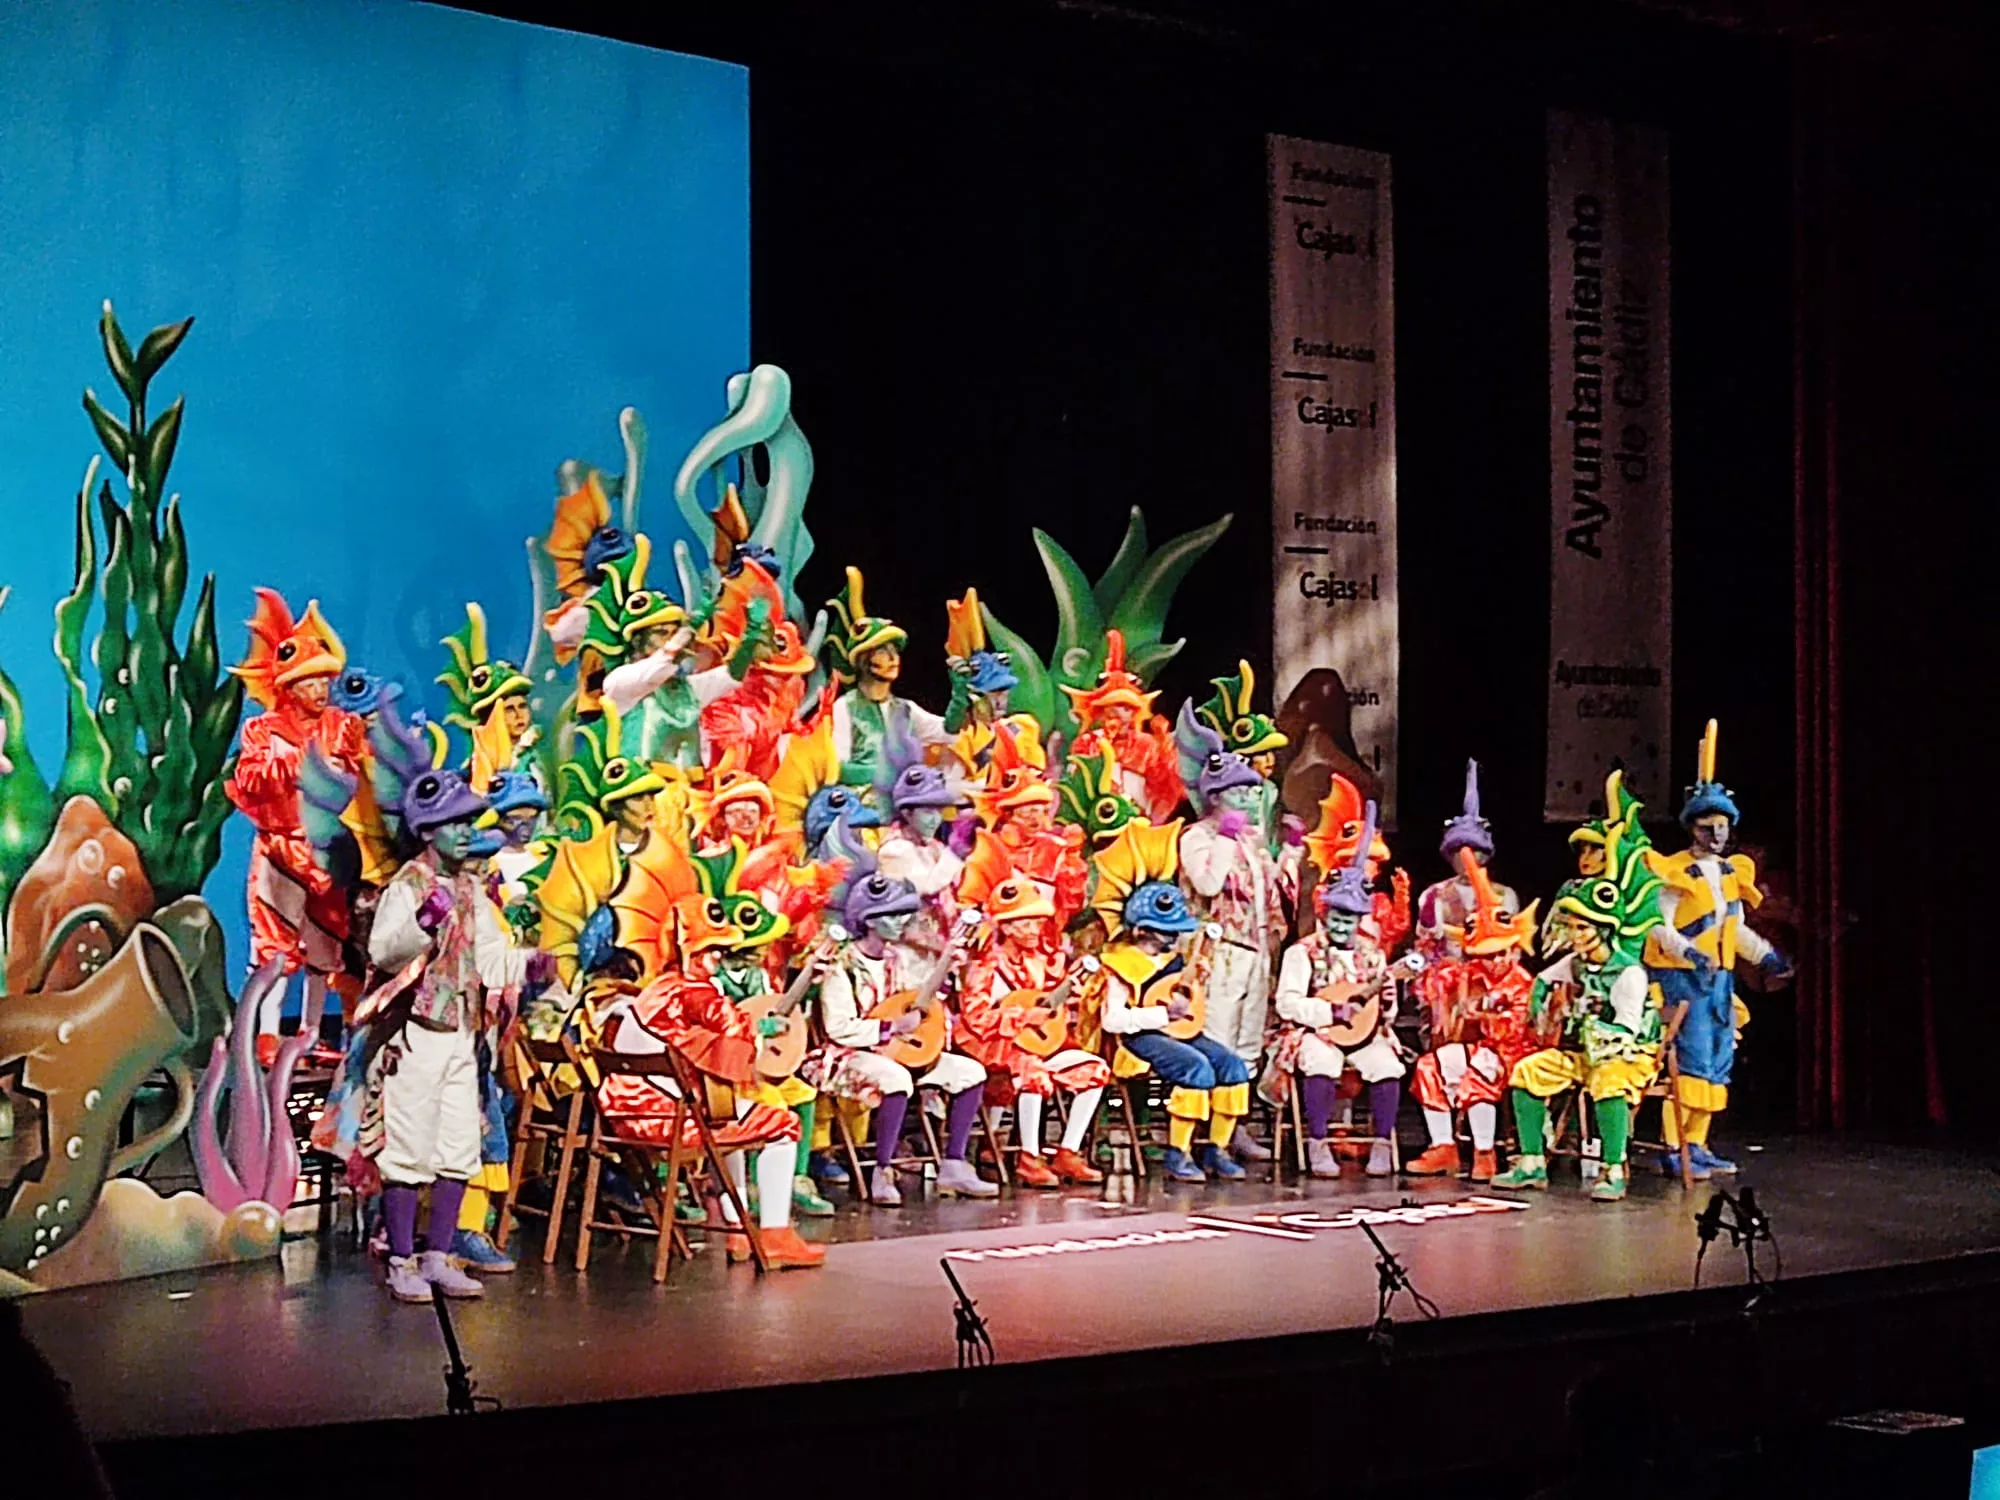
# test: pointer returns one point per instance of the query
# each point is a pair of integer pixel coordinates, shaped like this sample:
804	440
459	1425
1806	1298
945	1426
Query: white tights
1483	1118
1082	1110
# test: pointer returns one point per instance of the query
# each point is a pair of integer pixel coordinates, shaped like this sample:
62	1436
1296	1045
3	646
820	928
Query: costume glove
435	909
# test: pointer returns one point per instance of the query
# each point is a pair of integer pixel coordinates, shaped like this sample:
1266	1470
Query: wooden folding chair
547	1118
1128	1117
640	1157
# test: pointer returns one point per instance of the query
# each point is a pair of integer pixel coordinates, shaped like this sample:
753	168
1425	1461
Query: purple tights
1385	1099
889	1117
958	1124
399	1215
1317	1095
447	1193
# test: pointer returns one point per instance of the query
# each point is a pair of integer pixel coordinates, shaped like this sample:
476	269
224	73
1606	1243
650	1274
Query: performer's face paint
1341	927
1243	799
924	821
1119	719
885	663
519	827
890	928
986	707
1586	938
1024	931
1264	762
454	842
737	963
743	818
634	814
1032	817
514	713
1589	859
311	693
1711	834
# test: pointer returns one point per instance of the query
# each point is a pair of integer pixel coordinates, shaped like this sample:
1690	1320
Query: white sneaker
1246	1147
1379	1162
436	1268
1320	1160
882	1188
957	1179
406	1280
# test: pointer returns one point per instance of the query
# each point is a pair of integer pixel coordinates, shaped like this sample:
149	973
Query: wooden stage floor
314	1340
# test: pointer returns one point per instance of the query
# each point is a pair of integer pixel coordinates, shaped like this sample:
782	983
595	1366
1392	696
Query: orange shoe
1437	1161
739	1247
785	1251
1031	1171
1484	1166
1071	1167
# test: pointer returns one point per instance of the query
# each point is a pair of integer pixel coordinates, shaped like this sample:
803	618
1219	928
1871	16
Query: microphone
1708	1223
1754	1223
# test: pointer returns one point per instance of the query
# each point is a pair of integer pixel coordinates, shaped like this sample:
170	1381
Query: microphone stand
1391	1278
459	1400
975	1344
1746	1224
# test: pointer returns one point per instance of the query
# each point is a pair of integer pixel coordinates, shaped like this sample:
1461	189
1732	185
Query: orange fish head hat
703	923
1116	688
287	652
1332	841
1489	934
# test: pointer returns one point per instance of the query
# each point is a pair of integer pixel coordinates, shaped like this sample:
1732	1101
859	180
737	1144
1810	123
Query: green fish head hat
476	679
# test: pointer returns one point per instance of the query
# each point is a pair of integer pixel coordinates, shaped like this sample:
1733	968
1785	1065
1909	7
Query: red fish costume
296	911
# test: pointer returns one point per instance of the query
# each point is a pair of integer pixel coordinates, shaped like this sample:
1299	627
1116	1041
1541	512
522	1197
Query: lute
1363	1003
917	1050
779	1056
1191	984
1047	1037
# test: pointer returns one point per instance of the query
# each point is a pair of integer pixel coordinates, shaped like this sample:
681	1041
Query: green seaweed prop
760	414
153	748
27	811
1132	595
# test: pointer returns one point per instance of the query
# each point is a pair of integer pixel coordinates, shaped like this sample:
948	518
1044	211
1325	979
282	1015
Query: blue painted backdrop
429	255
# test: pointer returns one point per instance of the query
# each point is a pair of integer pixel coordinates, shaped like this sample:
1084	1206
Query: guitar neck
934	981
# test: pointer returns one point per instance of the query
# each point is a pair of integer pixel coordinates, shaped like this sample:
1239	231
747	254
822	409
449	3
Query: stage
1071	1278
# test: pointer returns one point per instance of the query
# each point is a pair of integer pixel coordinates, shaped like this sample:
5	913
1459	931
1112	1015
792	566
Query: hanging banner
1333	457
1610	464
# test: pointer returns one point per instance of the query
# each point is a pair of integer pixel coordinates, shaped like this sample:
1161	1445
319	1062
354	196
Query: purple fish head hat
1208	767
1468	830
1347	893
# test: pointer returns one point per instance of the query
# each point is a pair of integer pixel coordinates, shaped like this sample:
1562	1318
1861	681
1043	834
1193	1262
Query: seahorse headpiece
965	639
584	539
1708	796
1338	832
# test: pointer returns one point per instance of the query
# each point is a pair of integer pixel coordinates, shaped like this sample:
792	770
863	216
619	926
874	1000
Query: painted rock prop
75	904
